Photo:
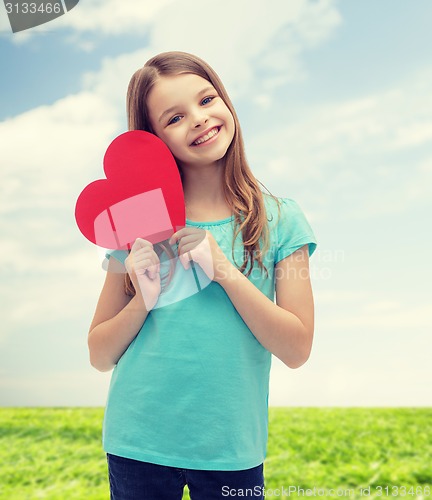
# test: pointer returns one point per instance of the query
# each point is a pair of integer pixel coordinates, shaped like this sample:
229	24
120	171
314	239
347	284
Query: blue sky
335	106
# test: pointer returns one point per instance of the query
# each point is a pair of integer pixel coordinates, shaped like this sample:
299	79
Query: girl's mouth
210	137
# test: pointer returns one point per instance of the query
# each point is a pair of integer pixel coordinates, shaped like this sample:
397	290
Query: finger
189	238
186	247
145	253
141	265
180	233
175	237
153	271
185	260
187	244
141	243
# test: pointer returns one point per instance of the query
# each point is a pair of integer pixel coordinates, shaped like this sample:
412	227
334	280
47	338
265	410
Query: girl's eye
172	120
207	98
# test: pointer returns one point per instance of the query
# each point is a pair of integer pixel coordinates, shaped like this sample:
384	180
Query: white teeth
207	137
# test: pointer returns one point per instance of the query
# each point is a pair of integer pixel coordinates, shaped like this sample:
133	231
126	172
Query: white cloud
100	17
269	39
355	146
263	100
307	24
48	155
86	387
408	317
368	307
109	82
53	137
250	41
59	289
327	134
349	384
110	17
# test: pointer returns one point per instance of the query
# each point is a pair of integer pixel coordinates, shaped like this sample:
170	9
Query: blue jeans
135	480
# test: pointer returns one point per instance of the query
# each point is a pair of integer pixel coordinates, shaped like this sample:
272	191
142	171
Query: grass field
56	453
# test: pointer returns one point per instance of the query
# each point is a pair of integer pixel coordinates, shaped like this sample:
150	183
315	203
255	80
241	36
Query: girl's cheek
175	137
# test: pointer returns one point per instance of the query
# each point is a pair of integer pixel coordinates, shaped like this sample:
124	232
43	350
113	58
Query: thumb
153	271
185	261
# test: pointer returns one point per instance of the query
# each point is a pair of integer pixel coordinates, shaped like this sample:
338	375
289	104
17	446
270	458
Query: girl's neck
203	186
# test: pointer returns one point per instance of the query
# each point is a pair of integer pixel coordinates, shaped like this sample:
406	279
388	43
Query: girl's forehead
184	80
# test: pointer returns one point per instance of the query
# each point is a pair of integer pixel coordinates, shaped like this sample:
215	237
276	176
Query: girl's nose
200	117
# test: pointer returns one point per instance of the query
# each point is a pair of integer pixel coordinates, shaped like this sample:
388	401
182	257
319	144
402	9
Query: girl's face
184	108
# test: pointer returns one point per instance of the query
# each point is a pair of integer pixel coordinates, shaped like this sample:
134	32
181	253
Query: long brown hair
241	189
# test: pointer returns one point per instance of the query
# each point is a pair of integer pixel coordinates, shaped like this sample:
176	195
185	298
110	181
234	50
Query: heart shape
142	195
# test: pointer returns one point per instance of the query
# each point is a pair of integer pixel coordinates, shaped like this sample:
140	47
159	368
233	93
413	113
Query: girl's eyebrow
169	110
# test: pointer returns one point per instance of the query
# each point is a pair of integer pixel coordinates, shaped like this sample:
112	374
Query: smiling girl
188	399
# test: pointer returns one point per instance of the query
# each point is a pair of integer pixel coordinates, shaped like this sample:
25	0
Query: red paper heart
142	195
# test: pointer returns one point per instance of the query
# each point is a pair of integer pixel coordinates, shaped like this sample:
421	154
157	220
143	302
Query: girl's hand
200	246
143	266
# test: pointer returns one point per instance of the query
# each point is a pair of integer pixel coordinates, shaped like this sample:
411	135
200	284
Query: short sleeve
293	230
119	256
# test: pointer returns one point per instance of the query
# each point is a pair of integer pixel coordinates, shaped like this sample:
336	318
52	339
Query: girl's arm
285	328
117	320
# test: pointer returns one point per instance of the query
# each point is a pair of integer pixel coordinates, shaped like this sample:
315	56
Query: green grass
56	453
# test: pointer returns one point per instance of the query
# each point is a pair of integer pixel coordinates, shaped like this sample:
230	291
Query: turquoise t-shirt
191	390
